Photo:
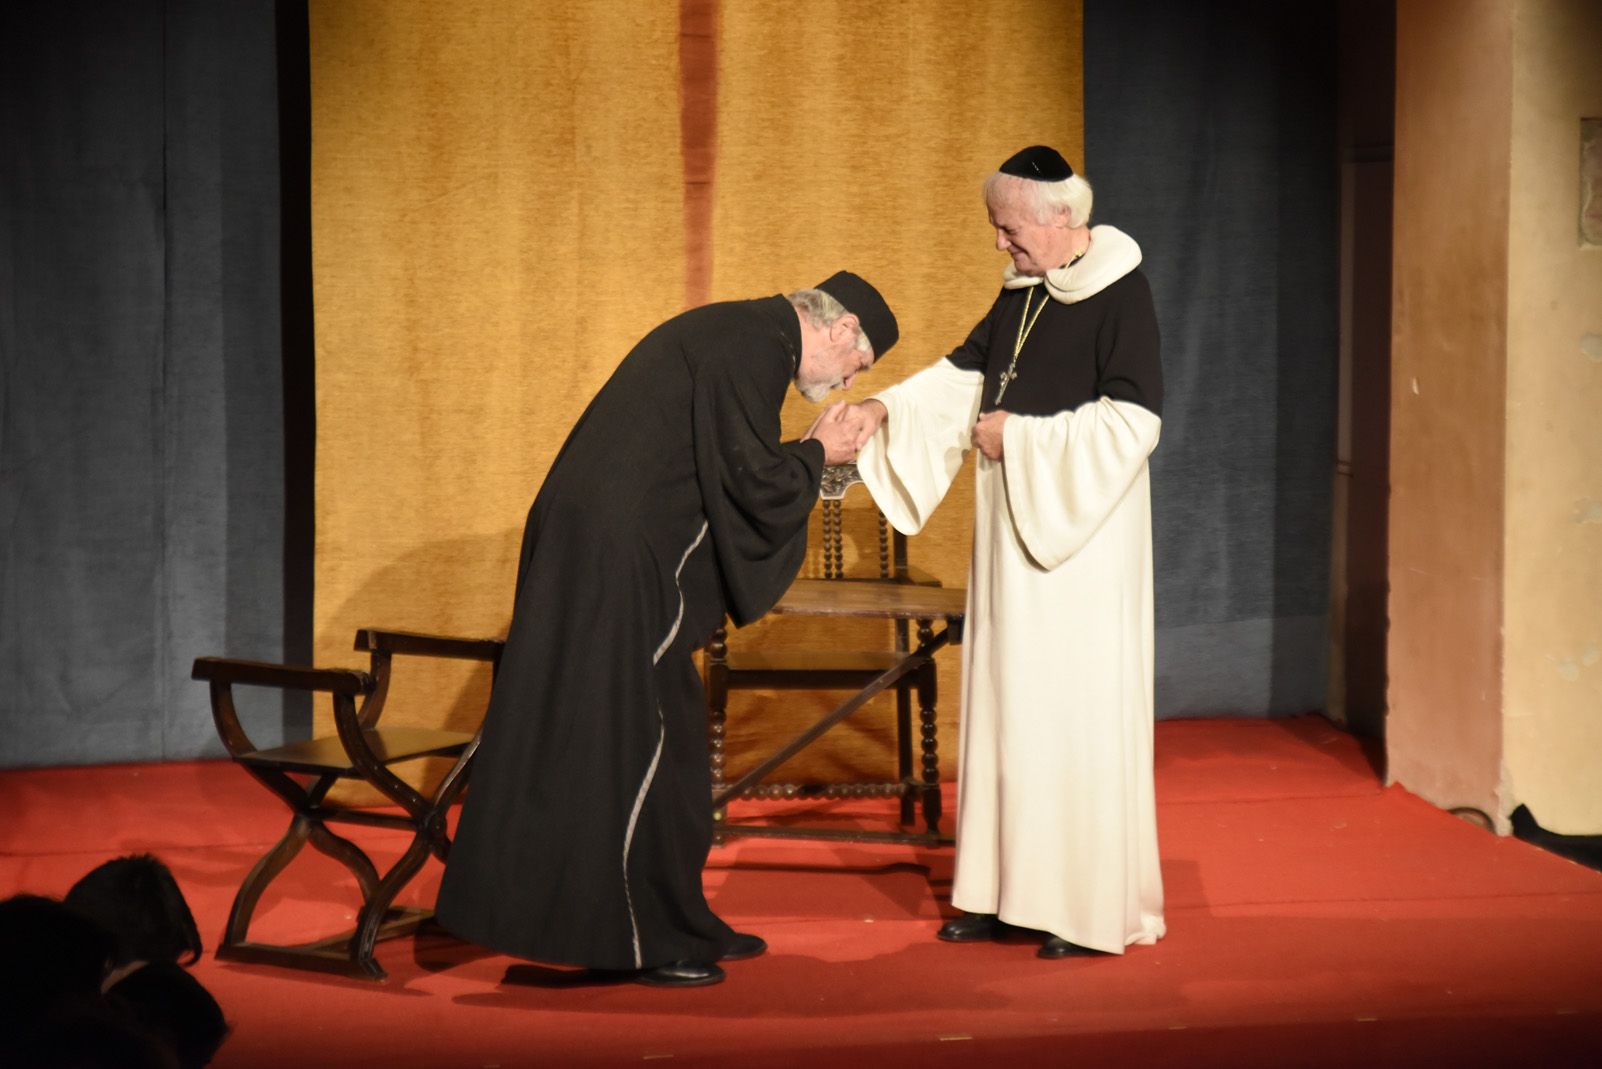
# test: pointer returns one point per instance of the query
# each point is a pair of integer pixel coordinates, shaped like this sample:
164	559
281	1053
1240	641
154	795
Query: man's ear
846	326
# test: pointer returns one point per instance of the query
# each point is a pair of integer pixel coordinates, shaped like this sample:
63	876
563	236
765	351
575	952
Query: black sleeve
757	490
974	353
1128	349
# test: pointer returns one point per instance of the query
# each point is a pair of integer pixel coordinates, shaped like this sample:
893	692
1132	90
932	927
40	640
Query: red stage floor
1315	918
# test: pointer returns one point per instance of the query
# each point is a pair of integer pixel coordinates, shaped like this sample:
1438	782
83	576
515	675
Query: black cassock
588	818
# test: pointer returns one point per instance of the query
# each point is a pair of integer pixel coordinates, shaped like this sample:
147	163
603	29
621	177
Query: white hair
1072	195
821	310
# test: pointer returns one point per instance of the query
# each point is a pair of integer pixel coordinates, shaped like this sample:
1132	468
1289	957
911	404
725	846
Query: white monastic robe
1056	819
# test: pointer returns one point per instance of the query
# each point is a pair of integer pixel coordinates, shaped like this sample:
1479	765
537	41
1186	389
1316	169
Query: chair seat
326	754
874	661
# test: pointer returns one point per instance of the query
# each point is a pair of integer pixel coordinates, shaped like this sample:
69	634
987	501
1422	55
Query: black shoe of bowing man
700	974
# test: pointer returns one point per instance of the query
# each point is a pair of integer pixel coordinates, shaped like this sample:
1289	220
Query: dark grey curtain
1210	138
141	379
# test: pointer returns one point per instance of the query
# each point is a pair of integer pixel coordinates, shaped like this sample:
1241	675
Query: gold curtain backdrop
499	213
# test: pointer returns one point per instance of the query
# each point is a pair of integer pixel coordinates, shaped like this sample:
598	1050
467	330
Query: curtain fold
141	472
1209	137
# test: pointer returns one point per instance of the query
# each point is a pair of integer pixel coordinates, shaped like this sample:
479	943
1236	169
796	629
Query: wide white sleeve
1067	473
910	462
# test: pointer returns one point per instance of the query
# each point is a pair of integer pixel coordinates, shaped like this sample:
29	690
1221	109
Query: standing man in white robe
1059	387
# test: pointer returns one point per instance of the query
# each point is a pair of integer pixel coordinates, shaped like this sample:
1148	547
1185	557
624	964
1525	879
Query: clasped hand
844	428
987	433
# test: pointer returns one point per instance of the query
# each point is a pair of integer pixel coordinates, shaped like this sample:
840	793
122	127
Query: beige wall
1496	518
1448	351
1552	679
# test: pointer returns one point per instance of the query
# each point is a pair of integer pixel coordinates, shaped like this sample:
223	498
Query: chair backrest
837	479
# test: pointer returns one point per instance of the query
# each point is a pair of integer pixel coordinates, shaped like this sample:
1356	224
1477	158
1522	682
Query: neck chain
1025	325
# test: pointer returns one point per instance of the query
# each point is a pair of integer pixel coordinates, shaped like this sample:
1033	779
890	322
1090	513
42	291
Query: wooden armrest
223	672
412	643
228	670
383	646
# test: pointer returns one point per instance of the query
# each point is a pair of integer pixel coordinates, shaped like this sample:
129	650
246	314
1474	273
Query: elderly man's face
833	363
1035	247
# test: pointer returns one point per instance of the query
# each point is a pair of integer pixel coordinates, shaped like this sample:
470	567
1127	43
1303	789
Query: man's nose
1001	242
845	383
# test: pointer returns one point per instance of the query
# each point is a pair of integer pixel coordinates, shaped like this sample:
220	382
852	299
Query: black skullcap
1040	163
863	301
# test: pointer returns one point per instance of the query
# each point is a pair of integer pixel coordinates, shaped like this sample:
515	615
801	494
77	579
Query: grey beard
816	392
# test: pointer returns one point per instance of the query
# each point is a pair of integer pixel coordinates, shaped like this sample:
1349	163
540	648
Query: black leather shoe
971	928
744	945
1058	947
680	974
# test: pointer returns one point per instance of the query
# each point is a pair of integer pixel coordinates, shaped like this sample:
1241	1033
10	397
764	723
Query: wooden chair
360	750
838	669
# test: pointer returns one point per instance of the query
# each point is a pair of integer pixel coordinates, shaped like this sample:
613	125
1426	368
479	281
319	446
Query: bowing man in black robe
672	503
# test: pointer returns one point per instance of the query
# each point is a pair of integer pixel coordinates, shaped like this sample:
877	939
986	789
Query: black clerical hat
1038	162
864	302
